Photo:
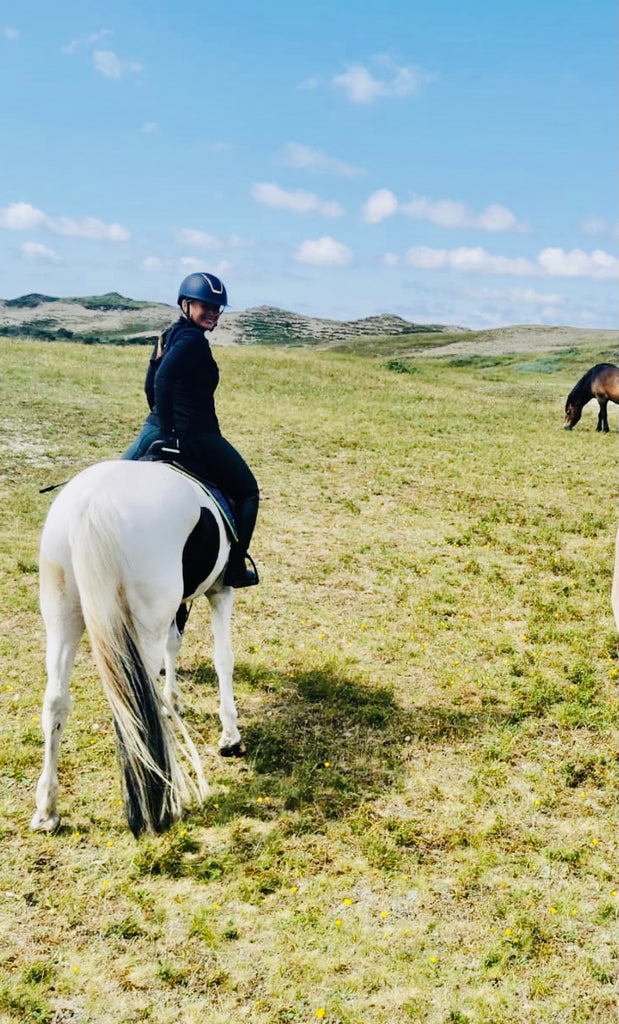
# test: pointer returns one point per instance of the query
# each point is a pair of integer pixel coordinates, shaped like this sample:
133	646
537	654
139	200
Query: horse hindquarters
128	656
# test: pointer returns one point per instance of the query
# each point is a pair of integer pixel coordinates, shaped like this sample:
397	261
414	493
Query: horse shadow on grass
320	749
318	743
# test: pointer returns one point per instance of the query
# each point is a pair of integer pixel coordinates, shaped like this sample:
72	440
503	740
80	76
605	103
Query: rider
180	387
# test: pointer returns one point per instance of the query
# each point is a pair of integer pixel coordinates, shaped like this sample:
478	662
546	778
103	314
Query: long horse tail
157	786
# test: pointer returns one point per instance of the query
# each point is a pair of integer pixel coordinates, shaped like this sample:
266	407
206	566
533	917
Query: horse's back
147	493
151	510
605	382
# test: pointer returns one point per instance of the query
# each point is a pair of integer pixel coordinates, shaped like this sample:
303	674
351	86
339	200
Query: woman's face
204	315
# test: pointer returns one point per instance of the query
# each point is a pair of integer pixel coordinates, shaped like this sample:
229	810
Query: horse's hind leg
173	643
64	626
603	416
221	602
170	690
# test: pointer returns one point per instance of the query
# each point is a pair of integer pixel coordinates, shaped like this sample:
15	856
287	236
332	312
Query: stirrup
239	576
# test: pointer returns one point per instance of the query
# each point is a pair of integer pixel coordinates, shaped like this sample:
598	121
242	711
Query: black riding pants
220	462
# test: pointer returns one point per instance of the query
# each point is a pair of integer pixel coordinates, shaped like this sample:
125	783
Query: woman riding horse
180	387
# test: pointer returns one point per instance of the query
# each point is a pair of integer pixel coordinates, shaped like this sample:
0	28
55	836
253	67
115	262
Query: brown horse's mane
581	392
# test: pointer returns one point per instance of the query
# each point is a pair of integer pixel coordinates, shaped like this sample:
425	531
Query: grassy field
424	827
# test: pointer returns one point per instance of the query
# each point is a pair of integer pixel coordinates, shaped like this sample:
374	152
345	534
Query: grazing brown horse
601	382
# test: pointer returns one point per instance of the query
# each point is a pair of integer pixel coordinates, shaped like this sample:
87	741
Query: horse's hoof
233	750
42	823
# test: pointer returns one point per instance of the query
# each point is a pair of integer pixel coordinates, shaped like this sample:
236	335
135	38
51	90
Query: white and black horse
124	544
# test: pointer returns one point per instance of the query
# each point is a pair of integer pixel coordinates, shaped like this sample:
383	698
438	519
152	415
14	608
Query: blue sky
448	162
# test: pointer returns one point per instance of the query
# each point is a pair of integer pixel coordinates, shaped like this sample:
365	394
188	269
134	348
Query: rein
52	487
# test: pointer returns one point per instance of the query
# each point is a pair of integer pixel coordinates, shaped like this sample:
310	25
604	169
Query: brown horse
601	382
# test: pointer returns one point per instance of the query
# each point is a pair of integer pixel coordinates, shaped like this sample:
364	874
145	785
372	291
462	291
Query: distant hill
91	318
116	319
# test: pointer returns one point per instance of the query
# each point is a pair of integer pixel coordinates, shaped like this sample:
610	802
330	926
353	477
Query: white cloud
550	262
189	264
201	239
324	252
89	40
37	253
150	128
497	218
21	217
446	213
297	200
596	227
89	227
10	33
449	213
379	205
111	66
362	87
422	257
577	263
193	264
204	240
468	260
24	217
311	159
154	265
517	297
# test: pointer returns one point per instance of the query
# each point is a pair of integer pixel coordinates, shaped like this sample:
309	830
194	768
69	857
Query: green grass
424	827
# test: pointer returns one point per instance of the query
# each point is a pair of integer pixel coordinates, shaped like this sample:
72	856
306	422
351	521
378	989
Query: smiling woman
180	386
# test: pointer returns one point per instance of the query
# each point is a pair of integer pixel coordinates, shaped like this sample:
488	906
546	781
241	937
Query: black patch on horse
200	552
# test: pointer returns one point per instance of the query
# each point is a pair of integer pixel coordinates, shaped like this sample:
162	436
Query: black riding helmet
204	288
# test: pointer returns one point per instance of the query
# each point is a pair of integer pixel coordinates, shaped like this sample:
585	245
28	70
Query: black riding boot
238	573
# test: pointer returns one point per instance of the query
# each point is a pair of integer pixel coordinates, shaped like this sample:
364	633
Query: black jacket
183	384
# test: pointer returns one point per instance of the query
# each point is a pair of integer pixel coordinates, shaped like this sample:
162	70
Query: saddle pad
217	496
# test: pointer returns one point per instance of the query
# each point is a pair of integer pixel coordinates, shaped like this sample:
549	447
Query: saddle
163	451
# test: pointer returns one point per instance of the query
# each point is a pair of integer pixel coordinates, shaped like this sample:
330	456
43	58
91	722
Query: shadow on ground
321	743
320	749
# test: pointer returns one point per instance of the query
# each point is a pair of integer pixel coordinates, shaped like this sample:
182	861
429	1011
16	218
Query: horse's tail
156	785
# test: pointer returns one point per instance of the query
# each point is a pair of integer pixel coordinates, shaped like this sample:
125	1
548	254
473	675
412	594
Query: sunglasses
209	307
